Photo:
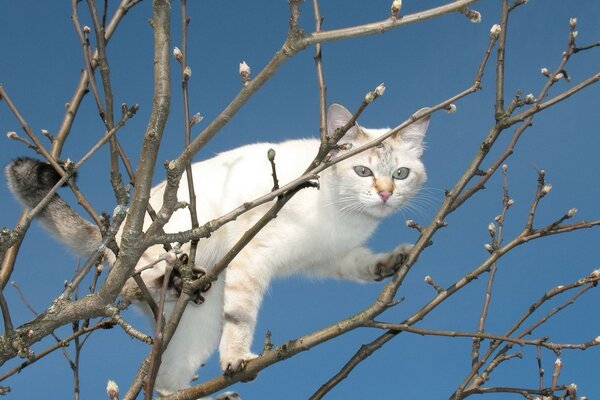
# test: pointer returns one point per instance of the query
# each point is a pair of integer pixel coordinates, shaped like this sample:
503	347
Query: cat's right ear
413	134
337	117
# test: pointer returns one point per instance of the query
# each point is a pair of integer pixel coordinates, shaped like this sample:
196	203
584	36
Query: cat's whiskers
422	204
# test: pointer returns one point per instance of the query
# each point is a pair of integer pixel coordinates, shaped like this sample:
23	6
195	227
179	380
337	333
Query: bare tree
512	116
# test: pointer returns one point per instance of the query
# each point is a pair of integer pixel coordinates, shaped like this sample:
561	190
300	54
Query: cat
320	232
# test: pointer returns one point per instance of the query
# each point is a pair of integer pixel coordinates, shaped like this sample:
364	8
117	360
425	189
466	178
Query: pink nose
385	195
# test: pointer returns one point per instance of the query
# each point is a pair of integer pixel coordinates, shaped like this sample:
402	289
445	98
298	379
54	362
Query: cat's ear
338	116
414	133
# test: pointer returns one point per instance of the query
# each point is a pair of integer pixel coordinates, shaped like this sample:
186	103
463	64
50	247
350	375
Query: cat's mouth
382	209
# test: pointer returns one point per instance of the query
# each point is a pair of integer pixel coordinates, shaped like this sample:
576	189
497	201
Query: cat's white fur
319	232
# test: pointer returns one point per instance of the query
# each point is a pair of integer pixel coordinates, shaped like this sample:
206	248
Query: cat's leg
362	264
195	339
244	289
197	334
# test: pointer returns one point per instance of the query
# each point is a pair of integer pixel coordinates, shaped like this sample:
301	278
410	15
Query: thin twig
187	123
541	342
61	344
500	62
8	325
318	57
497	237
476	378
81	89
158	347
505	120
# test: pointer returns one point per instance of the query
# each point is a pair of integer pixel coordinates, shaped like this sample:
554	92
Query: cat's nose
385	195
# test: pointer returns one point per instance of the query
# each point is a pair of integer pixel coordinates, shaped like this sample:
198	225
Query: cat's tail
30	180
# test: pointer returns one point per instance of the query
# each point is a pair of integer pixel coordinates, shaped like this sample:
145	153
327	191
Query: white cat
320	232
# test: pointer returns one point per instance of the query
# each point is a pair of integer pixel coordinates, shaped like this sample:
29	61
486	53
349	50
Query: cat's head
380	180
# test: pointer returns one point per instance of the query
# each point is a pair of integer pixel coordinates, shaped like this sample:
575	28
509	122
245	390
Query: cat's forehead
382	154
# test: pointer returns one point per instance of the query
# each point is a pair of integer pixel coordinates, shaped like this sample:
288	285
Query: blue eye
363	171
401	173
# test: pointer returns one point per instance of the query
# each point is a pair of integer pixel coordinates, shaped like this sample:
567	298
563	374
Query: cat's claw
228	396
392	262
176	282
230	367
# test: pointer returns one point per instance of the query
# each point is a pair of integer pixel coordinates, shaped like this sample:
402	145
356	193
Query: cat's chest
317	239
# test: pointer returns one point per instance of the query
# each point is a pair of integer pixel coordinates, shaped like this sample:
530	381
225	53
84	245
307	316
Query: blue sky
421	65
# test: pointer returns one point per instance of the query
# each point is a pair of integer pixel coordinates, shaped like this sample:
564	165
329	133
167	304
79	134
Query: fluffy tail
30	180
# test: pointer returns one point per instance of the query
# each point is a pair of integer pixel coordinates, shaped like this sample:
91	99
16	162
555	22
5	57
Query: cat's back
245	173
231	178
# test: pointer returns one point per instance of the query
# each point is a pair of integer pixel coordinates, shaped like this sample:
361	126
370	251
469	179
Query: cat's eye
401	173
363	171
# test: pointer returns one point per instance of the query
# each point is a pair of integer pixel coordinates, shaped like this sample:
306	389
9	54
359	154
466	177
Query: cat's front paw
231	365
391	262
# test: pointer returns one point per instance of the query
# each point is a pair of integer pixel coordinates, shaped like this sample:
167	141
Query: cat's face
377	182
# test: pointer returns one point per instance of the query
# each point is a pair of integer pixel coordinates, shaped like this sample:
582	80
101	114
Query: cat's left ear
414	133
337	117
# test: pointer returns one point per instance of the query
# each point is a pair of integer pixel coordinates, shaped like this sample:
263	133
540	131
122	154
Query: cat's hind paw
228	396
230	366
176	282
392	262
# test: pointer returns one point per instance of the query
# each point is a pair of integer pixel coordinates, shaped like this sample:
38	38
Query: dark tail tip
32	173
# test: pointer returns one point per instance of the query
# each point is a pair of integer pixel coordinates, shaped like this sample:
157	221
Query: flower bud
572	22
495	31
86	30
450	108
196	118
558	363
380	90
187	73
396	6
546	189
545	71
571	212
489	248
474	16
244	71
492	229
529	99
178	54
11	135
112	390
69	165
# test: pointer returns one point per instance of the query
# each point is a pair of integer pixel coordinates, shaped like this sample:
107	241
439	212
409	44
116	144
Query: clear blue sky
421	65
